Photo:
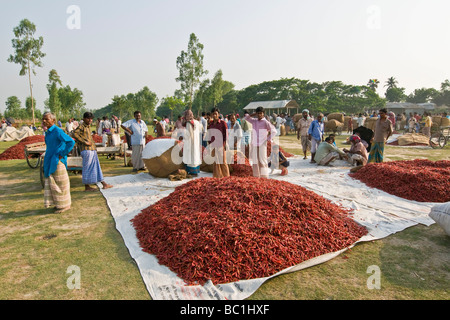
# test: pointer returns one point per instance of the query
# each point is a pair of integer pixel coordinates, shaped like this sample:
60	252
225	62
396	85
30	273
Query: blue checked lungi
92	172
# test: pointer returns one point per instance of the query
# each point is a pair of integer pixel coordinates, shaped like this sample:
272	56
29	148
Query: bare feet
89	189
106	186
62	210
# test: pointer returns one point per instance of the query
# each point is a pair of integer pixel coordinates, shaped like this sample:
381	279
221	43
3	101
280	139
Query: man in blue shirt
138	131
57	183
315	135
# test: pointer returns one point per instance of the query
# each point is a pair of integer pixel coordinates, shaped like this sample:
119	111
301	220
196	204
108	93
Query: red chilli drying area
418	180
238	228
17	152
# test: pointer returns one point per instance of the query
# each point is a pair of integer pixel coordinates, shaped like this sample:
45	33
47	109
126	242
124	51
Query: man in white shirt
280	120
69	126
138	131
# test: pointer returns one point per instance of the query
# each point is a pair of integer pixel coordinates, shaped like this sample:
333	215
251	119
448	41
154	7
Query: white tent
278	106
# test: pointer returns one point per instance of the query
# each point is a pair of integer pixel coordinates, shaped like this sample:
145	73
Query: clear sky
122	46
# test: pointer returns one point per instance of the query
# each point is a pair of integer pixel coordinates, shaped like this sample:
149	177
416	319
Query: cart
33	153
440	137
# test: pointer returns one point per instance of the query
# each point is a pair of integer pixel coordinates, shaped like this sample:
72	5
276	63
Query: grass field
37	247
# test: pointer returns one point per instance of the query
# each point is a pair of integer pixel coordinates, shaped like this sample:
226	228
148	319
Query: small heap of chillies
17	152
419	180
235	228
241	166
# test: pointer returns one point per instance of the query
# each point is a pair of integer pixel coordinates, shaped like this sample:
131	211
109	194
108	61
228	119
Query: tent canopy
283	105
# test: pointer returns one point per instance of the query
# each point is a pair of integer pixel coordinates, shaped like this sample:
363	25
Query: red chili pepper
419	180
239	228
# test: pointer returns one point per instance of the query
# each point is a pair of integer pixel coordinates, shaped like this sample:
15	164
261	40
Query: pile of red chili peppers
17	152
418	180
236	228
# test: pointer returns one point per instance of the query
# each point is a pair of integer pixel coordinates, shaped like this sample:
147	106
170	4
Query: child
277	157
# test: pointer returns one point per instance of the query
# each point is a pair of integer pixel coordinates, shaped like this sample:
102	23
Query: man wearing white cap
302	131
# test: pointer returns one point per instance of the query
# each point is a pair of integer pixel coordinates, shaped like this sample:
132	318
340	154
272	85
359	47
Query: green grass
37	247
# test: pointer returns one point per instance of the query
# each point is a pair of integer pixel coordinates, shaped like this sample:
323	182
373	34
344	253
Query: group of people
58	146
211	131
323	150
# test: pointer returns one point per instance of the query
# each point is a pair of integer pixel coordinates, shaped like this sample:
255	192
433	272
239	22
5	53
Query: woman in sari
218	136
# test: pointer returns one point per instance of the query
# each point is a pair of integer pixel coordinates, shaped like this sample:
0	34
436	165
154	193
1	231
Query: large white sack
441	214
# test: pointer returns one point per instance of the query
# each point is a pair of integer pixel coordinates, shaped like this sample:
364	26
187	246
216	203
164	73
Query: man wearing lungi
138	131
263	131
57	183
92	172
302	132
383	130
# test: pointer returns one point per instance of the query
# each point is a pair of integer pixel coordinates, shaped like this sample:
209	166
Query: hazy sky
121	46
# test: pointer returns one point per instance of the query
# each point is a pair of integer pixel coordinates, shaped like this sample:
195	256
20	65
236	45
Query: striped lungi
92	172
57	189
376	152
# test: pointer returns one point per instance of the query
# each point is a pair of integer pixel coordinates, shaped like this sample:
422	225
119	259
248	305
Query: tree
14	108
72	104
190	67
28	52
422	95
53	103
373	84
395	94
391	83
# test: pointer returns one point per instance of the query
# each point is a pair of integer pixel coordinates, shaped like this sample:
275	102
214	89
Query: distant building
407	107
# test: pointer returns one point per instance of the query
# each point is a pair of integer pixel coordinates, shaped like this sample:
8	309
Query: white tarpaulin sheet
381	213
13	134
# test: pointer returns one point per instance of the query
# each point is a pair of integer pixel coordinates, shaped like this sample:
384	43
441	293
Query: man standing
428	123
57	183
262	132
192	147
383	130
138	131
92	172
302	131
315	135
234	133
69	126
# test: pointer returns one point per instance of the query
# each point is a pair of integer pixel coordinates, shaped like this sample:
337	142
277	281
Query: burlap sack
297	117
282	130
370	123
445	122
163	165
413	138
336	116
436	121
333	125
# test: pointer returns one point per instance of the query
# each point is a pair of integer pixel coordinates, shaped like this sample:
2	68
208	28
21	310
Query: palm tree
373	84
391	83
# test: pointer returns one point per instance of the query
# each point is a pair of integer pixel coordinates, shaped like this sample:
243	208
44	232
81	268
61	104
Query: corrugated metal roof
278	104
